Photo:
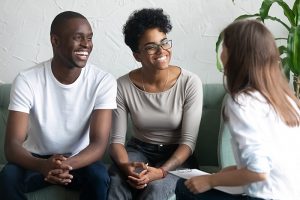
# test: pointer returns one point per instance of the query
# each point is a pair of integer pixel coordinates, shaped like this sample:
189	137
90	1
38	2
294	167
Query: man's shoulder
36	69
33	75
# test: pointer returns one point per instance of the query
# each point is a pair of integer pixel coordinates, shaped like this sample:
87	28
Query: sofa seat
213	148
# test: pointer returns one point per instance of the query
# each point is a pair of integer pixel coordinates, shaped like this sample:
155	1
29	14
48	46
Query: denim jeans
92	181
155	155
182	193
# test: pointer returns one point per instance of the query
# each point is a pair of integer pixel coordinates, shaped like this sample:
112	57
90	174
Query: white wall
25	25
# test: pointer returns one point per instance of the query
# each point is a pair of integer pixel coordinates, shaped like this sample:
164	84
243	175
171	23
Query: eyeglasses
153	48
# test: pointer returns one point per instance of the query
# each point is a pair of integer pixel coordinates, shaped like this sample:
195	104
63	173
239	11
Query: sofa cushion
206	151
4	101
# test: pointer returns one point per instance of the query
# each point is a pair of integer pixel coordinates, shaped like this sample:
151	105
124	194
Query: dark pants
92	181
155	155
182	193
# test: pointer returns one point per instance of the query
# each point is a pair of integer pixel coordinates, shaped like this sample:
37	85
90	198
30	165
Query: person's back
270	144
264	121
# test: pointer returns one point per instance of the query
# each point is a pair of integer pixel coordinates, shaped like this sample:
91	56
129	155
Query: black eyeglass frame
155	47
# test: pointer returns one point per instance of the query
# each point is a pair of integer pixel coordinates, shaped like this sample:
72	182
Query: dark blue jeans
182	193
92	181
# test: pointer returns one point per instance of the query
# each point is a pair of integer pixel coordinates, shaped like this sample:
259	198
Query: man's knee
98	175
11	174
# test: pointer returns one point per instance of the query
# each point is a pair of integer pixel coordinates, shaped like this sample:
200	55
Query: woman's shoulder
251	101
127	81
187	76
123	78
250	97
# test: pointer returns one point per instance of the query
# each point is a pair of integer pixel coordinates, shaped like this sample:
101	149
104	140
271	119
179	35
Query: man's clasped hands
56	170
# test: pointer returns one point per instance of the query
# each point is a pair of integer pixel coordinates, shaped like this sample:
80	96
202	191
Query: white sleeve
248	128
106	93
21	95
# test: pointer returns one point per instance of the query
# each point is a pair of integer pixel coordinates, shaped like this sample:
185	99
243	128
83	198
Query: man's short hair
61	18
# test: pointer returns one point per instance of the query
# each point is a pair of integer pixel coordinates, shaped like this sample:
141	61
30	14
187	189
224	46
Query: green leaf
259	18
278	20
266	5
264	8
285	67
282	49
280	38
296	10
246	16
218	43
293	47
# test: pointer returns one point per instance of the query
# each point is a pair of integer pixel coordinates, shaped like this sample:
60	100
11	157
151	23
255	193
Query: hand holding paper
189	173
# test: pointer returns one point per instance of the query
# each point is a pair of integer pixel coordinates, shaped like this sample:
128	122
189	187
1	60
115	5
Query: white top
59	114
169	117
263	143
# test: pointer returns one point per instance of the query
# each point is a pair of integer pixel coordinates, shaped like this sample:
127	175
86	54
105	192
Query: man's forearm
92	153
17	154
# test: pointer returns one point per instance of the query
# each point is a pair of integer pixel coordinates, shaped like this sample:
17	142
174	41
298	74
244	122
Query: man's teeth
82	53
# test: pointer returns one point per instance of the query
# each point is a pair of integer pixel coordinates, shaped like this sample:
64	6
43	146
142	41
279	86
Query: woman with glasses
164	103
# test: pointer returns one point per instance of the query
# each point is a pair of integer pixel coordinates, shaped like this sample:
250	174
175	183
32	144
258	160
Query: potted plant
290	52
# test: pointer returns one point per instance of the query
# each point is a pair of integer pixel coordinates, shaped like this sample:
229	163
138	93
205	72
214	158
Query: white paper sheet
189	173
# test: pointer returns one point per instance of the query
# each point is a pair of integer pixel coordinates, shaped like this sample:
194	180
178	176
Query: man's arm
16	131
100	125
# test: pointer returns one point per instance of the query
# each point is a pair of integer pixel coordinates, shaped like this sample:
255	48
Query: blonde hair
254	64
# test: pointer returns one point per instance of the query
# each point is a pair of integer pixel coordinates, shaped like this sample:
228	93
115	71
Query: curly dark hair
140	21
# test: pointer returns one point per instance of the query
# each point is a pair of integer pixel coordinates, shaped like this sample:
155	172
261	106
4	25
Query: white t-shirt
263	143
59	114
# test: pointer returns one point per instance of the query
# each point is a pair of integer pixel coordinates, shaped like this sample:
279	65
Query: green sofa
213	149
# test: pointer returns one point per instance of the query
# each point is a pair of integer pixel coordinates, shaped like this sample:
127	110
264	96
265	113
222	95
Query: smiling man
60	118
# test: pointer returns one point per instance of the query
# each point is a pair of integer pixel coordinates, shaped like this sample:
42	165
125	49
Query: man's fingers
66	167
55	172
65	175
53	179
58	180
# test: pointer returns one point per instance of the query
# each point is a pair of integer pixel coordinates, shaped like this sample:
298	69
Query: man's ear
137	56
54	40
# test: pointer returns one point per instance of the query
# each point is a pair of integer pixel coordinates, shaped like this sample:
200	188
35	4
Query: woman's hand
140	181
199	184
133	168
135	171
145	177
154	174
